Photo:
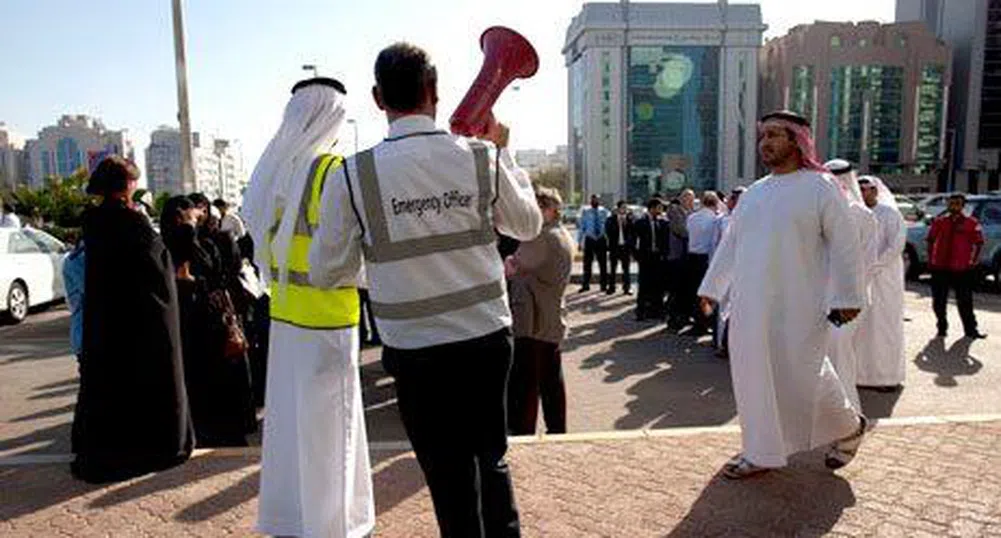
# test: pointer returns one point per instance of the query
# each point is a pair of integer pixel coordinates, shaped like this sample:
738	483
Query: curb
541	438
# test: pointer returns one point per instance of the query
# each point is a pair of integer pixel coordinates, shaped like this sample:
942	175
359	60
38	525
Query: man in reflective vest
422	206
315	473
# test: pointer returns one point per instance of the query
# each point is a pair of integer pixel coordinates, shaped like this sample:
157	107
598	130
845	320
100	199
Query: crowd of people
178	331
169	332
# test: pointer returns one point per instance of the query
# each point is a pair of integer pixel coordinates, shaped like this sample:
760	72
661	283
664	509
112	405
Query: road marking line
622	435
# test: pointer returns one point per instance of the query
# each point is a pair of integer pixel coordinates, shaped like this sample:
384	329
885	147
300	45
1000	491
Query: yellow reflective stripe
313	208
317	308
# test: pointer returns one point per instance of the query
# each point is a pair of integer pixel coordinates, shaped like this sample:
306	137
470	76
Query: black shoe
583	289
942	333
975	335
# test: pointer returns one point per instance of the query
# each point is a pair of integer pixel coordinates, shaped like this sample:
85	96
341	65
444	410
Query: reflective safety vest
300	303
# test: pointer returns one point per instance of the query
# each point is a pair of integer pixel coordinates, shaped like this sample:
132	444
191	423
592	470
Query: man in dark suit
619	231
650	236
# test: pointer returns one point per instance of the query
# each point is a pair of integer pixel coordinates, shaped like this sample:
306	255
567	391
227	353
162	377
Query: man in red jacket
954	243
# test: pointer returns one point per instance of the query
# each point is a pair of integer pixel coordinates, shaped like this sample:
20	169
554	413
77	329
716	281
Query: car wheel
17	302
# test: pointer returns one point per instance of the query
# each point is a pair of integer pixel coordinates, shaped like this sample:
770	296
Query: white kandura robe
880	342
315	474
841	348
774	262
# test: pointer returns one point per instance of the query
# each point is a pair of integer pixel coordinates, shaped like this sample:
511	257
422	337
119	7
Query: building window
902	41
853	86
863	43
673	95
578	89
67	157
931	93
801	91
835	41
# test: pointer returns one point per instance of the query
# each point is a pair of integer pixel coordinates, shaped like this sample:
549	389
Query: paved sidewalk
935	479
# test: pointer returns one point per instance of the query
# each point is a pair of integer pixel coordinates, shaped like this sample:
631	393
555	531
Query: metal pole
187	164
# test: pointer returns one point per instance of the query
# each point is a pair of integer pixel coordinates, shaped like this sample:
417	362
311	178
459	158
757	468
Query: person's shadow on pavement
948	364
803	499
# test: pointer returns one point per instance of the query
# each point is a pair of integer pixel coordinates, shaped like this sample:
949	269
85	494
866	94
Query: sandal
740	467
844	450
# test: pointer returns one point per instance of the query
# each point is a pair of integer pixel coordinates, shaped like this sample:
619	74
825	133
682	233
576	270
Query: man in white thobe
841	345
789	237
315	474
880	341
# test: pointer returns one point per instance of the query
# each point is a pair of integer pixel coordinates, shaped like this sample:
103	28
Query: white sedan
31	271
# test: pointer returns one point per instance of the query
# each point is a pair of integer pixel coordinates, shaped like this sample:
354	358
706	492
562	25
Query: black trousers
619	255
696	267
452	400
962	282
675	278
595	248
650	299
537	373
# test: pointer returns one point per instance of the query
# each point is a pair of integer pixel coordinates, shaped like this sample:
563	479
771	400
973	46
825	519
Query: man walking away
591	238
954	243
422	206
619	231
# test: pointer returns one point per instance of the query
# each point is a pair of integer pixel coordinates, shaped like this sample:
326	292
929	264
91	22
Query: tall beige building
13	162
218	166
877	95
65	147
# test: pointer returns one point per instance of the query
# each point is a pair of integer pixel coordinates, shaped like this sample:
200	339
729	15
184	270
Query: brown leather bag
235	342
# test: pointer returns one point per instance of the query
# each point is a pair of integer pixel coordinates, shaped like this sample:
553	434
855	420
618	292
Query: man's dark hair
404	74
199	199
958	196
620	203
220	203
654	202
8	207
112	175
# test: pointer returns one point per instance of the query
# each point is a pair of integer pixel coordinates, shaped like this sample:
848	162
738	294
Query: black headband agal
787	115
320	81
842	167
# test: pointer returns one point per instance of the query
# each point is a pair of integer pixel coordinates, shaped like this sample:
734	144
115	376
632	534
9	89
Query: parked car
986	209
31	271
570	214
911	212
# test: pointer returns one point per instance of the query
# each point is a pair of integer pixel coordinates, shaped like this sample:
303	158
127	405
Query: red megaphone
507	56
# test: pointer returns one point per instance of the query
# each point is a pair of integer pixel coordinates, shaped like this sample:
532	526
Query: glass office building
663	102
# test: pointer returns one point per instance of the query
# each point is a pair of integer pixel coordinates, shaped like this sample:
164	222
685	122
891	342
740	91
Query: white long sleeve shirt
423	284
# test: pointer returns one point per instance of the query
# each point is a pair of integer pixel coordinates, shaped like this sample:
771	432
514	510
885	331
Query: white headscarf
846	180
885	195
313	117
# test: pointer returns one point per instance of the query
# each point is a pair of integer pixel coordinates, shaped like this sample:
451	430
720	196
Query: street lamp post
311	67
354	124
180	63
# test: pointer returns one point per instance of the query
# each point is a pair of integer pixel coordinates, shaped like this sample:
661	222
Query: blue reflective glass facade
673	119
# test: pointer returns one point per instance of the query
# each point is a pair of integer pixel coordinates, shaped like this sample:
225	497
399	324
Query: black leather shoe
976	335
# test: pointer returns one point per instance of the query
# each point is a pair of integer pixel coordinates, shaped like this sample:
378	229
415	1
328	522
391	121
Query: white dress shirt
701	231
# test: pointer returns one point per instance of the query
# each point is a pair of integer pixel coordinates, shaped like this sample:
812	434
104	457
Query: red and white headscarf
802	134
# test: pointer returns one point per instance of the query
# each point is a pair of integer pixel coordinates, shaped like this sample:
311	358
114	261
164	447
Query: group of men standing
672	243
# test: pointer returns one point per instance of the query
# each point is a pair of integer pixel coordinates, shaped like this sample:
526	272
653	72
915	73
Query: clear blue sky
114	59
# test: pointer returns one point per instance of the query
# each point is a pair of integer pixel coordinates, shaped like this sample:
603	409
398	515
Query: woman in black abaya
132	412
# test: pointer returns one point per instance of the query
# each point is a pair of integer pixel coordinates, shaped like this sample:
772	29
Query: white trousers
315	476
